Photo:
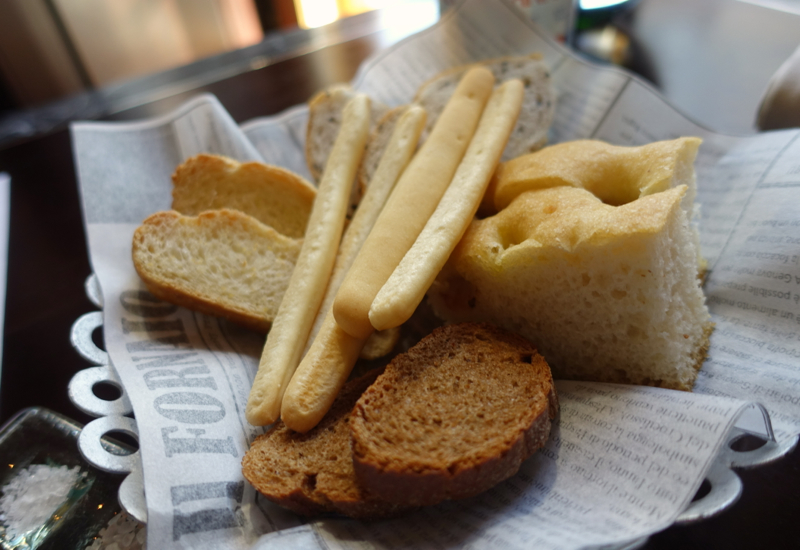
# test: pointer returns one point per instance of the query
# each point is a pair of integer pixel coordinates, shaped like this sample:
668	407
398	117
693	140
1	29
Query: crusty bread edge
440	485
393	485
481	63
174	295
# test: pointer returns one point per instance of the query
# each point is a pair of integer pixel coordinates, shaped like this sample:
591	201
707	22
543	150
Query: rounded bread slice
324	120
222	262
312	473
452	417
273	195
538	108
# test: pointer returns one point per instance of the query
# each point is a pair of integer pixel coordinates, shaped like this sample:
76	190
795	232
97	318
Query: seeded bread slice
607	293
324	119
312	473
538	108
273	195
452	417
222	262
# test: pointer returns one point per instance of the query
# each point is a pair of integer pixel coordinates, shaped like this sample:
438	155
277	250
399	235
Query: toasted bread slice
273	195
452	417
312	473
222	262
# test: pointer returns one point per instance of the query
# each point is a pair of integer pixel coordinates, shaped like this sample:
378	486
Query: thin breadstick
413	201
303	296
405	289
333	353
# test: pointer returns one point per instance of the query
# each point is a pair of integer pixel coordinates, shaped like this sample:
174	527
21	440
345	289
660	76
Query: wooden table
48	264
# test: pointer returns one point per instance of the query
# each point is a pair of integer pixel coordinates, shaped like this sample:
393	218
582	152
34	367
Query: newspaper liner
622	462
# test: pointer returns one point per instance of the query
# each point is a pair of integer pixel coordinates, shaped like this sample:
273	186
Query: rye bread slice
312	473
452	417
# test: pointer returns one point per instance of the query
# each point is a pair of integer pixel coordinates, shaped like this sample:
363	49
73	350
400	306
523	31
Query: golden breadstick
333	353
395	158
412	202
312	270
407	286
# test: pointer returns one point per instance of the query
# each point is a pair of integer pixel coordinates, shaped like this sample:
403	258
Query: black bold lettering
174	325
143	304
195	444
173	360
208	519
190	407
168	378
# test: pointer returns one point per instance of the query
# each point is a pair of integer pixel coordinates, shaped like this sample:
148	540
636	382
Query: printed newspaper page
622	461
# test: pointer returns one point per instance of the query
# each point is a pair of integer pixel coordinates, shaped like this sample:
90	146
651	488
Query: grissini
333	353
406	287
306	289
413	201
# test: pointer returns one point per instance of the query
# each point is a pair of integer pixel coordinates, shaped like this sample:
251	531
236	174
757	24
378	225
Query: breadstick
406	287
333	353
303	296
413	201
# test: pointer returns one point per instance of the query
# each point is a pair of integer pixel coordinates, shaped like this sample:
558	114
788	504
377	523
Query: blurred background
52	48
709	57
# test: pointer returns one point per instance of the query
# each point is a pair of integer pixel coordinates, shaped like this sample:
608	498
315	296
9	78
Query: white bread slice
606	293
538	108
530	132
273	195
378	141
222	262
324	119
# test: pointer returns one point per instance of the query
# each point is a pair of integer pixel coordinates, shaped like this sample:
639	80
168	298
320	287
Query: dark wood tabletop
48	265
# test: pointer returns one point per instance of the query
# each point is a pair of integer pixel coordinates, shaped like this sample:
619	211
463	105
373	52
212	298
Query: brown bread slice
312	473
452	417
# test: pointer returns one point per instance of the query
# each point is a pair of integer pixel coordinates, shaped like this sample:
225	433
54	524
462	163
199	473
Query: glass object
39	436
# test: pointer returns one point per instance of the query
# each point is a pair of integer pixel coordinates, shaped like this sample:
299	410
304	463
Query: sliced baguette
452	417
312	473
273	195
222	262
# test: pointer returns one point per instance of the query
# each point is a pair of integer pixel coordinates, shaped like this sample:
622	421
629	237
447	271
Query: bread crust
154	265
398	463
530	132
312	473
275	196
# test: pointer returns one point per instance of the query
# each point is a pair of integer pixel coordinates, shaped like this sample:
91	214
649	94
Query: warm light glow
99	506
597	4
10	465
316	13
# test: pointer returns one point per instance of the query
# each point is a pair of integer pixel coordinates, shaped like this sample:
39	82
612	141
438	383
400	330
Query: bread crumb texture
222	262
312	473
607	293
273	195
538	108
452	417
